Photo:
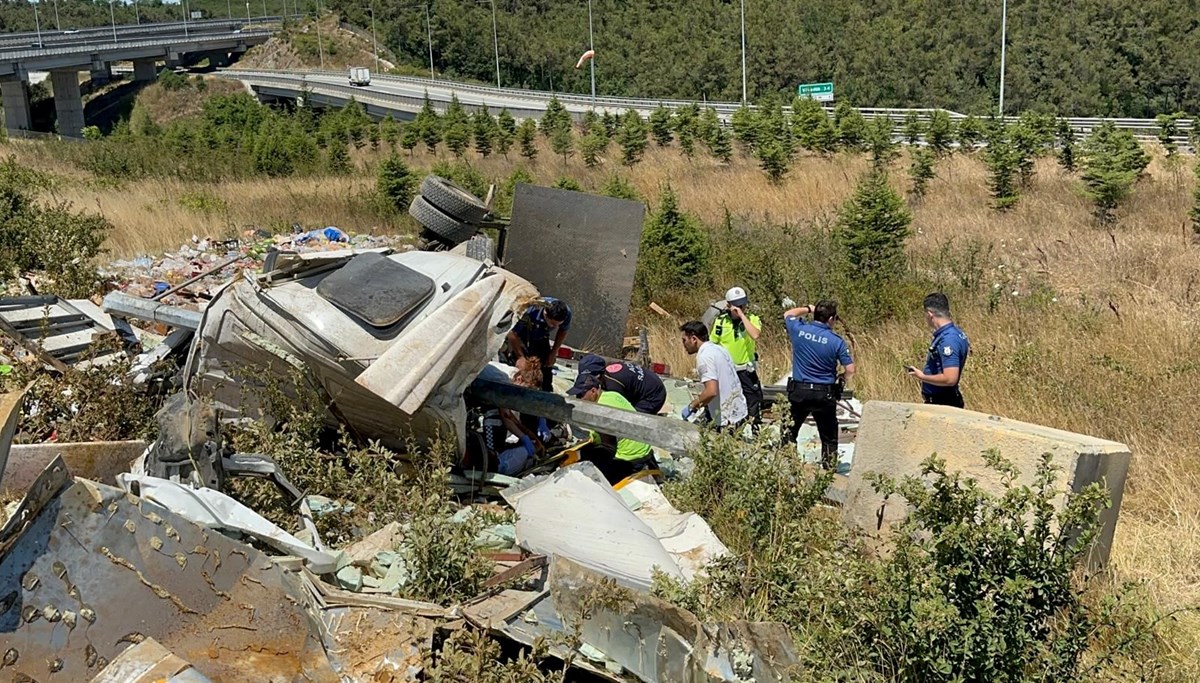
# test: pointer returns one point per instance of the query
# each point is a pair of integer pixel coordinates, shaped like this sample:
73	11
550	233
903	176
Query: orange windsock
584	57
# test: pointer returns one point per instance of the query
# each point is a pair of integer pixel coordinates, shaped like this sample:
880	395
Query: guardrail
1144	129
18	55
149	27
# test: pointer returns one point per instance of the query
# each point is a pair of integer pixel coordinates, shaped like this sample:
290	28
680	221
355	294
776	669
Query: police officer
639	385
737	331
813	387
946	358
539	333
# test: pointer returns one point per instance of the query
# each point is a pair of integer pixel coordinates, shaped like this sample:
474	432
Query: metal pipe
128	306
374	43
496	43
592	47
743	51
113	18
57	26
674	436
429	34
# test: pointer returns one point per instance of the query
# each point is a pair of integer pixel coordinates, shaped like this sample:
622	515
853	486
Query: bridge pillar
68	103
144	70
101	72
16	104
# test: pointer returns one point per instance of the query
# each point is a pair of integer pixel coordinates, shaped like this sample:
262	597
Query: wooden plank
520	569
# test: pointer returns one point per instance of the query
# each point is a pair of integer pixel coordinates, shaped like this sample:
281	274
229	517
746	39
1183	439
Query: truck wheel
448	229
453	199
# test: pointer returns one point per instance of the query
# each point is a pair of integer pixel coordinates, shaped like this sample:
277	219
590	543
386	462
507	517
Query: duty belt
810	385
746	367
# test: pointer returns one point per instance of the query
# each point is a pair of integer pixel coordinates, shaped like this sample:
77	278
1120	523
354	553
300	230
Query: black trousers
821	405
954	399
752	388
614	469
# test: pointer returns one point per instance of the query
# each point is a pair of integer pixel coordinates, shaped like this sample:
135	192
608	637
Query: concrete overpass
65	53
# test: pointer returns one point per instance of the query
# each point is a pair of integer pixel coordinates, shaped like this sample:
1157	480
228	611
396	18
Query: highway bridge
403	97
66	53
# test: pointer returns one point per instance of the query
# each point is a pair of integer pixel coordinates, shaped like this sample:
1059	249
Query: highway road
99	35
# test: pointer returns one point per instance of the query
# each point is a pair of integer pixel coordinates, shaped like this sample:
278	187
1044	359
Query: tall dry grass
1089	329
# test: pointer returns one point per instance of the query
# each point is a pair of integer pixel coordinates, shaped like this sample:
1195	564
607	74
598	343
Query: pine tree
707	126
373	135
851	126
620	188
527	138
506	131
807	117
1112	161
568	183
774	159
456	126
410	135
430	125
1025	142
396	182
612	123
555	116
921	171
1195	213
721	147
1066	146
391	131
592	145
745	127
871	229
913	129
970	132
825	138
632	138
660	125
1168	128
940	135
1002	161
685	122
880	142
674	251
337	160
563	141
485	132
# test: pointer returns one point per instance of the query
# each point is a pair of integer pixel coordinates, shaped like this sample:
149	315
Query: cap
591	364
583	384
736	296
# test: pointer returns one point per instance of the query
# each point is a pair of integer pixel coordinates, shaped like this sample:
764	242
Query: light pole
374	43
592	47
113	18
743	51
1003	49
229	6
320	46
37	24
496	43
264	9
247	12
429	34
183	6
137	14
57	26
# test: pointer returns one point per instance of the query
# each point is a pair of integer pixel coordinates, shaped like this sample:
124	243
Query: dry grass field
1088	329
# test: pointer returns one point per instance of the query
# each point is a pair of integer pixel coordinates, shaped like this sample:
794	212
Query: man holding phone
946	358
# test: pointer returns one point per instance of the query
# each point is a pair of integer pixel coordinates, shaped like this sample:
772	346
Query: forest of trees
1132	58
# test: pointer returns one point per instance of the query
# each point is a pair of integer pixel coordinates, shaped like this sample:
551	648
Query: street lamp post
592	47
496	43
57	26
247	12
113	18
320	46
137	13
37	24
1003	49
264	9
183	6
374	42
429	35
743	51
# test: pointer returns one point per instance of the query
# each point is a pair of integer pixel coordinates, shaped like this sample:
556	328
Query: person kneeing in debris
946	358
722	398
539	333
615	458
737	331
814	389
499	423
639	385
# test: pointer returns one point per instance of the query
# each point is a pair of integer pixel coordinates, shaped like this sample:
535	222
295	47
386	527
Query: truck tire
448	229
453	199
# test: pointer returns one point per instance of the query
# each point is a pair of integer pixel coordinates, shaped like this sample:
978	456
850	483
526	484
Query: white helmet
736	296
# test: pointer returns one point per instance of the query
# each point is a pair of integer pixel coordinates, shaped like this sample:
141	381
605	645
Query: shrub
506	131
913	129
660	126
92	133
1066	146
632	138
1168	128
879	141
941	132
485	129
620	188
1112	162
872	227
921	171
970	132
568	183
851	126
1002	160
396	183
674	251
171	81
527	137
562	141
745	126
774	159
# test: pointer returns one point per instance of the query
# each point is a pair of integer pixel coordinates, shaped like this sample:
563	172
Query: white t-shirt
714	362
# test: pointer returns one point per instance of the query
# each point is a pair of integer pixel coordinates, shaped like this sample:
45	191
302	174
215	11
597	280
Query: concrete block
68	103
144	70
16	104
894	438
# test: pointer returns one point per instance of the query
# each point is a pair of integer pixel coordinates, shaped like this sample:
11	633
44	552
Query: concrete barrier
894	438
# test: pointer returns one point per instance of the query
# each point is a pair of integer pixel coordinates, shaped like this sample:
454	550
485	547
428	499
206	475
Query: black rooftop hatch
376	289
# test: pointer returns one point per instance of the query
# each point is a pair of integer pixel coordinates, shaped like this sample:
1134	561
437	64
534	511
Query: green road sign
821	92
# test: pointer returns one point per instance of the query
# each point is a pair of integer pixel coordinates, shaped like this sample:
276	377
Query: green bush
396	183
169	80
674	250
632	138
1112	161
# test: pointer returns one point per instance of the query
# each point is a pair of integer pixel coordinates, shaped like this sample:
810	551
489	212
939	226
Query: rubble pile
181	581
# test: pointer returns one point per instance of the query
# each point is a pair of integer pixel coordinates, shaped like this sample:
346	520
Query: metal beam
675	436
124	305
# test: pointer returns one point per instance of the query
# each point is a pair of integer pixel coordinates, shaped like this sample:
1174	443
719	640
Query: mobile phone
910	368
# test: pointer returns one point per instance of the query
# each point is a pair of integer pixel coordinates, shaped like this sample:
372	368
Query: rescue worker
639	385
722	398
498	423
813	387
615	458
737	331
539	333
946	358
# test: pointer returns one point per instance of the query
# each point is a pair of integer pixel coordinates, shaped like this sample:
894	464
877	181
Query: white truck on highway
360	76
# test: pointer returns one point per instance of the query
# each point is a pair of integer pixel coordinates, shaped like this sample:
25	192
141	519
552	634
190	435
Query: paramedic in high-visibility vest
737	331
